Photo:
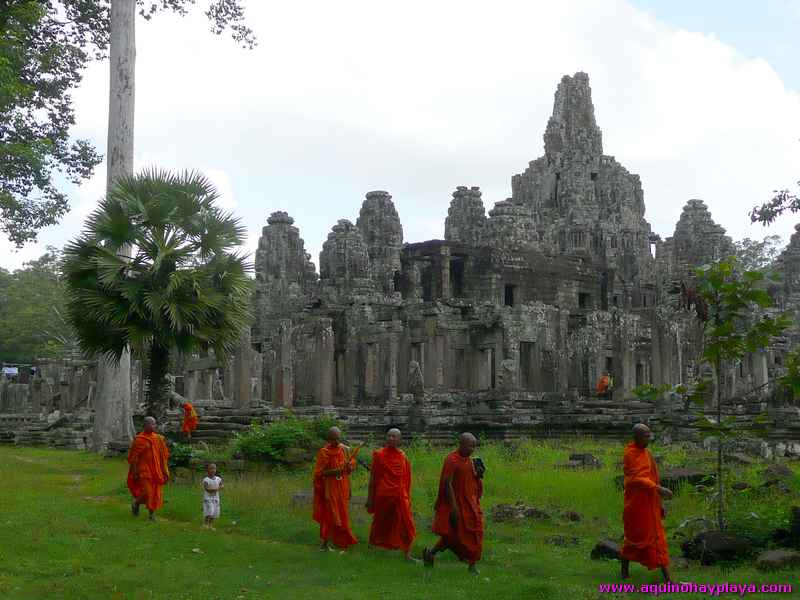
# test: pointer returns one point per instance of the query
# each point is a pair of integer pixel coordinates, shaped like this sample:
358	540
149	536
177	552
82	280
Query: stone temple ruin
503	326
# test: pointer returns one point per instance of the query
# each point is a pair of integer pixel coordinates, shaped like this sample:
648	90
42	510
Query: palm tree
183	288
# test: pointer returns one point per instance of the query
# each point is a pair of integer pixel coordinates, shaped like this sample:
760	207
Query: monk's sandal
427	557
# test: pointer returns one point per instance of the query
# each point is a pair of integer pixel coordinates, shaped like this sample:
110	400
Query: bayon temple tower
504	325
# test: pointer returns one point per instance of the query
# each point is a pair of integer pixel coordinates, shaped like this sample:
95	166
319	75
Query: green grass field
67	532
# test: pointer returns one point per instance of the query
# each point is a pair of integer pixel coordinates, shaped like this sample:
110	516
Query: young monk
458	519
642	515
604	386
389	498
189	420
332	493
148	458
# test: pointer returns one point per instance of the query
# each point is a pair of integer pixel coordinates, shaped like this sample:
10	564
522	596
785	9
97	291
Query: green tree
182	289
39	64
754	255
783	201
738	323
45	45
32	312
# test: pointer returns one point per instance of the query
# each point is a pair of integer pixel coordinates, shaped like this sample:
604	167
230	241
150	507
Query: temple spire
572	129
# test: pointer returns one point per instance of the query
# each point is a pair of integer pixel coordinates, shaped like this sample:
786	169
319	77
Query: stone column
760	372
351	373
438	358
444	263
190	385
207	389
242	384
370	355
513	368
390	387
228	380
562	371
36	395
284	377
659	337
325	363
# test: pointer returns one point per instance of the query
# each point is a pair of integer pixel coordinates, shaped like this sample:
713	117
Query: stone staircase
71	431
10	424
217	426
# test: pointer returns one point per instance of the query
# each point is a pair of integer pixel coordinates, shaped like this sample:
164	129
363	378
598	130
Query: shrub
180	455
283	441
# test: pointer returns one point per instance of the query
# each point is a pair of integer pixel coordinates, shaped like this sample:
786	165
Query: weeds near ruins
265	543
737	324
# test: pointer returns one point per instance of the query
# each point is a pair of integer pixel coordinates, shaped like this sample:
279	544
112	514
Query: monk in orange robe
149	469
389	497
189	420
458	519
332	493
645	541
603	385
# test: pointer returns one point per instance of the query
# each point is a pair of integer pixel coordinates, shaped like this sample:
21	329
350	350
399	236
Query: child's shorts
211	507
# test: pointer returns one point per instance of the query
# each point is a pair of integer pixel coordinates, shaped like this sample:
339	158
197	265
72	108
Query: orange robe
466	540
392	522
189	418
332	497
148	455
645	541
602	385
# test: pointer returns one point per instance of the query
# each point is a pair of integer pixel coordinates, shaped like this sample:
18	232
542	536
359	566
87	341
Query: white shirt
211	483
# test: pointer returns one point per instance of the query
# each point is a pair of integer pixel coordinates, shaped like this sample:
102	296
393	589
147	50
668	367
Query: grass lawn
68	533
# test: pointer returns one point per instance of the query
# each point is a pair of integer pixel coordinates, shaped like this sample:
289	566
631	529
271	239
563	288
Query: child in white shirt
211	487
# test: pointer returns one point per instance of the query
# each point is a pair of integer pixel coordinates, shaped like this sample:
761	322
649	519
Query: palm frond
182	288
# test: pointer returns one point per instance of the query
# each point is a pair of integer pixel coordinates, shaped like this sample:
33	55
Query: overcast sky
416	98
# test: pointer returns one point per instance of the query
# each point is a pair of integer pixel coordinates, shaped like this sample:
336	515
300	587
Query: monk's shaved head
334	434
467	443
149	424
642	435
393	437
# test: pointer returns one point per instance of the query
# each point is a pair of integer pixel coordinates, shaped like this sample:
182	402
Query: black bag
480	468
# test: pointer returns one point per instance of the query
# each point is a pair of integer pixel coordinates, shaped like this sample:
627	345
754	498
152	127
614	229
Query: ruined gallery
504	325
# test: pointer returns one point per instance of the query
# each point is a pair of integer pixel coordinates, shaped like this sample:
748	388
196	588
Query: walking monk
604	386
458	519
189	420
149	469
645	541
389	497
332	492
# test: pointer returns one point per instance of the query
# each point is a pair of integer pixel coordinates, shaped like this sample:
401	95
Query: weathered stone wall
466	217
382	233
697	240
504	326
285	276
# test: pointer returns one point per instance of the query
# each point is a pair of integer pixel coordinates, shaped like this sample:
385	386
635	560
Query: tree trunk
112	420
720	481
157	384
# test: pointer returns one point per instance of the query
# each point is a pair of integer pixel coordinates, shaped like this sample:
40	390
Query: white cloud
222	182
419	97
